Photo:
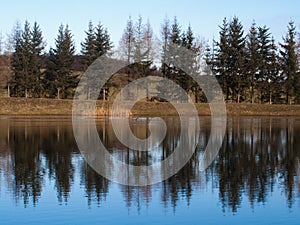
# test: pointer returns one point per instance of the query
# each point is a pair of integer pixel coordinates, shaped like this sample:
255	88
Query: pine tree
189	60
252	61
236	43
274	79
103	43
264	51
59	76
96	44
26	61
289	63
18	80
222	60
89	50
37	47
21	62
175	38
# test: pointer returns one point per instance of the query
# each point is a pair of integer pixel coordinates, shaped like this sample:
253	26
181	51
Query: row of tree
250	67
53	74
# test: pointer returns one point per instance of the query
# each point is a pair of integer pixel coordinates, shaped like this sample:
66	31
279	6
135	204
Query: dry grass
54	107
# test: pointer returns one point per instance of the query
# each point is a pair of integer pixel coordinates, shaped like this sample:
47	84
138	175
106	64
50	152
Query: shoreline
42	107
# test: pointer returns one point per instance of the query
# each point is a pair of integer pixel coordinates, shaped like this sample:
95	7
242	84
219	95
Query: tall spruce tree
96	43
273	88
26	61
252	60
21	62
264	52
175	38
37	47
222	60
59	76
189	59
289	63
18	79
236	42
88	48
103	43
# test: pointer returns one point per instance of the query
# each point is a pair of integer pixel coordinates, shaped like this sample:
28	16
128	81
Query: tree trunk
58	93
238	95
8	90
26	93
103	94
252	94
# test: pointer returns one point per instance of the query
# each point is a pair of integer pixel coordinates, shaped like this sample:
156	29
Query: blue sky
204	16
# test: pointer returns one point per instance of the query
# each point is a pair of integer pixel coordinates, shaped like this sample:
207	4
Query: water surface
255	178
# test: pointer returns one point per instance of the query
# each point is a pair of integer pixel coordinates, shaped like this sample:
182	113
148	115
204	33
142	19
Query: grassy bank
54	107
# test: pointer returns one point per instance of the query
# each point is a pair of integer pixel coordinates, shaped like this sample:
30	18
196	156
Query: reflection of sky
203	208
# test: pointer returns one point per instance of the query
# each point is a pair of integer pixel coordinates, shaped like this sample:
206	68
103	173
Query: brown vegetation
54	107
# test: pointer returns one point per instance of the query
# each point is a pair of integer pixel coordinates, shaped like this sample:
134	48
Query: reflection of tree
27	164
253	157
58	147
257	155
96	187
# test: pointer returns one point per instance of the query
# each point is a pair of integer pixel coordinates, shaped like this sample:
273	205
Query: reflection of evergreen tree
27	168
96	186
251	159
257	155
58	147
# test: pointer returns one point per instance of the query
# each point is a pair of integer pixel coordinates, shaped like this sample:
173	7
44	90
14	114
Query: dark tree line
52	74
250	67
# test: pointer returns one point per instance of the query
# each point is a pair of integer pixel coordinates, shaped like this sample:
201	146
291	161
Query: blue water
65	194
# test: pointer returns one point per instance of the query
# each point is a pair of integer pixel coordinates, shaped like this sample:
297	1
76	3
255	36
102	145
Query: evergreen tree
18	80
89	50
289	63
236	43
21	62
252	59
59	75
37	47
175	38
264	51
26	61
273	89
189	60
222	60
103	43
96	44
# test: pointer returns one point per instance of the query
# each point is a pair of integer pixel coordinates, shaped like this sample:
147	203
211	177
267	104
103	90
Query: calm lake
255	179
